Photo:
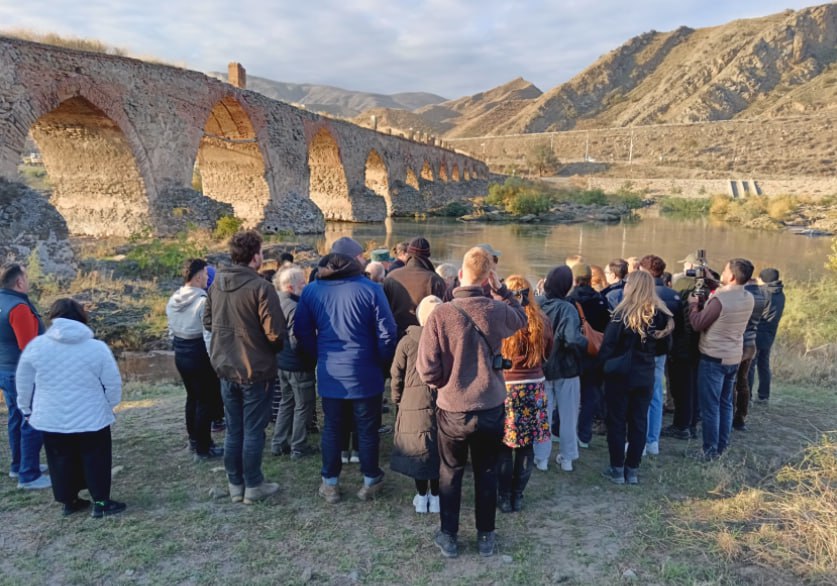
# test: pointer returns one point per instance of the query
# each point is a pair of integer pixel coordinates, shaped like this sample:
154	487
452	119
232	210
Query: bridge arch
376	178
328	187
411	179
427	171
231	163
454	174
443	172
97	182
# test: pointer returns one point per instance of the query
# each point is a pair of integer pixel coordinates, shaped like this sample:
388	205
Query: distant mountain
333	100
778	65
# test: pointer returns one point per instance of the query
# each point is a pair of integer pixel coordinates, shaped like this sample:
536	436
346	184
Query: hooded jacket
344	321
774	307
185	312
248	329
68	382
569	345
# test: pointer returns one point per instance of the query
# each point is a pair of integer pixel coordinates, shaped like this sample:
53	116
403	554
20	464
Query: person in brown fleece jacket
459	361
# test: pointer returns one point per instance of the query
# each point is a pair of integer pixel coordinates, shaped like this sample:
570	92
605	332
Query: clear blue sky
449	47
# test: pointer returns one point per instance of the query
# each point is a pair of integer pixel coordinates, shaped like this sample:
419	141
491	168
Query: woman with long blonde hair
639	322
527	421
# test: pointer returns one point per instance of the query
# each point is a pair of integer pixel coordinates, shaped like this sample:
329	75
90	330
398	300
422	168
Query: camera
700	273
500	363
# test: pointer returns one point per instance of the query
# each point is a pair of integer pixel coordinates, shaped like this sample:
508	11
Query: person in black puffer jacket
627	357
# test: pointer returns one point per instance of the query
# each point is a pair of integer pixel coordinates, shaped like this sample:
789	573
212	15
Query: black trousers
627	416
203	390
514	468
479	432
78	461
683	377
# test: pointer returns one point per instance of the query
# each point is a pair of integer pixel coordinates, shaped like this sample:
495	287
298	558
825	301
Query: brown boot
260	492
367	493
330	492
236	492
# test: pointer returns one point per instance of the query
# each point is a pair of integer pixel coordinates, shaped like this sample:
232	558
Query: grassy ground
676	528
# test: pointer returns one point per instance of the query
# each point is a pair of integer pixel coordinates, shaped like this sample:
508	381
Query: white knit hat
426	307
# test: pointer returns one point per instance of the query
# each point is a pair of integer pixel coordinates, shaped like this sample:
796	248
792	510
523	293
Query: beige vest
725	338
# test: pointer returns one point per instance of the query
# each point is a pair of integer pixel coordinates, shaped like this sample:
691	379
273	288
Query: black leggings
77	461
421	486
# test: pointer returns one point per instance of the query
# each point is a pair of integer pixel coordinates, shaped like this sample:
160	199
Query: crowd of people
498	370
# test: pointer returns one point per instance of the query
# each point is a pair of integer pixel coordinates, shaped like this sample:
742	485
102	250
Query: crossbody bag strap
580	312
475	326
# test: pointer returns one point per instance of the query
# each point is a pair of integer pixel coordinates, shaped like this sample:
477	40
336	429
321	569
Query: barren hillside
778	65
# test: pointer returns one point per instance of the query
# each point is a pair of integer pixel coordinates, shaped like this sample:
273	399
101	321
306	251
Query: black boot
517	502
504	502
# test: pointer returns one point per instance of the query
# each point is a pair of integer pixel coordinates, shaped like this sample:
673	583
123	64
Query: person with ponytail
627	357
527	421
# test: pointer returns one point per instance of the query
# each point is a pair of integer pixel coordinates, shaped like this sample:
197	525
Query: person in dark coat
415	449
627	356
774	307
407	286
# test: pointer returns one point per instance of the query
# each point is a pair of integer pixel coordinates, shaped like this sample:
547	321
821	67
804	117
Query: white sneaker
344	457
434	503
354	458
44	469
585	445
420	502
541	465
40	482
653	449
566	465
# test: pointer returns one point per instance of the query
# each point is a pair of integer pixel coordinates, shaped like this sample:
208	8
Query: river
533	249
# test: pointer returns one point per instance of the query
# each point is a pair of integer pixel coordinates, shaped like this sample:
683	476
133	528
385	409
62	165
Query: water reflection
533	248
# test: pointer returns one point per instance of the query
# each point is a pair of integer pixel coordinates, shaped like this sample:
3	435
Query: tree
542	160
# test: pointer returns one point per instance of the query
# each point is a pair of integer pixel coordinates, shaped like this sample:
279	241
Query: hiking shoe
420	502
212	453
218	426
236	492
280	450
566	463
39	483
739	426
675	432
486	543
330	492
615	475
385	430
584	445
504	503
652	448
517	502
193	446
43	467
631	476
79	504
446	544
433	503
260	492
368	492
107	508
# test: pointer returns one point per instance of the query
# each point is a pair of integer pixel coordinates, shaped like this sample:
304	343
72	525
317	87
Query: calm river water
533	249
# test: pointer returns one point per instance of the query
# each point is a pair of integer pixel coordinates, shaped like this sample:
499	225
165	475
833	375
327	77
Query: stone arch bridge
121	138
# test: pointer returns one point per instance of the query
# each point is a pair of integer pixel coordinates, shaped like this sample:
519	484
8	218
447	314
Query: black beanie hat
769	275
558	282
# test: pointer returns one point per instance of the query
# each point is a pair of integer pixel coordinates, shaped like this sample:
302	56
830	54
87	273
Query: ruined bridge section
121	138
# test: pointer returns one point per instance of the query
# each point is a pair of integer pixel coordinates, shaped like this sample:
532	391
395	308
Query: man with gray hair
296	374
376	271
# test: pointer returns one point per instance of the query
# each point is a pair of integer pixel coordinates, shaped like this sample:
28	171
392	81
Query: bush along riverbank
805	215
521	200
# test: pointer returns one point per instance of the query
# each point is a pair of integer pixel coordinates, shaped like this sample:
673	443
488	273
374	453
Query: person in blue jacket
343	319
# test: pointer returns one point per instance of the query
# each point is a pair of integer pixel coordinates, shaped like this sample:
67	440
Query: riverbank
744	519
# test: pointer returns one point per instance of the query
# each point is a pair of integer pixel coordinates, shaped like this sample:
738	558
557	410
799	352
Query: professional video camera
700	273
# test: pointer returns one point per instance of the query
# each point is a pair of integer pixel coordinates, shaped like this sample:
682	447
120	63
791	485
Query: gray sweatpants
296	407
566	394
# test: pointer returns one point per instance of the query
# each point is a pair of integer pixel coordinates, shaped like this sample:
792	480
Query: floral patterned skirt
526	417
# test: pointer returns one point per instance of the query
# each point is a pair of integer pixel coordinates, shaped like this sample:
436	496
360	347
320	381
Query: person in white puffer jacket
67	386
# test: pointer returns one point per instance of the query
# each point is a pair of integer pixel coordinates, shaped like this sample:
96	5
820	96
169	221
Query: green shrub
530	202
683	206
804	320
590	197
226	226
453	209
162	258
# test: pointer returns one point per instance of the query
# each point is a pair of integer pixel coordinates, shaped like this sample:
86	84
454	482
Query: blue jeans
24	440
716	383
247	412
655	409
337	416
761	363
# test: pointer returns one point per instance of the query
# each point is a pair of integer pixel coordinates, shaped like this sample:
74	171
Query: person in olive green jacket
245	318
